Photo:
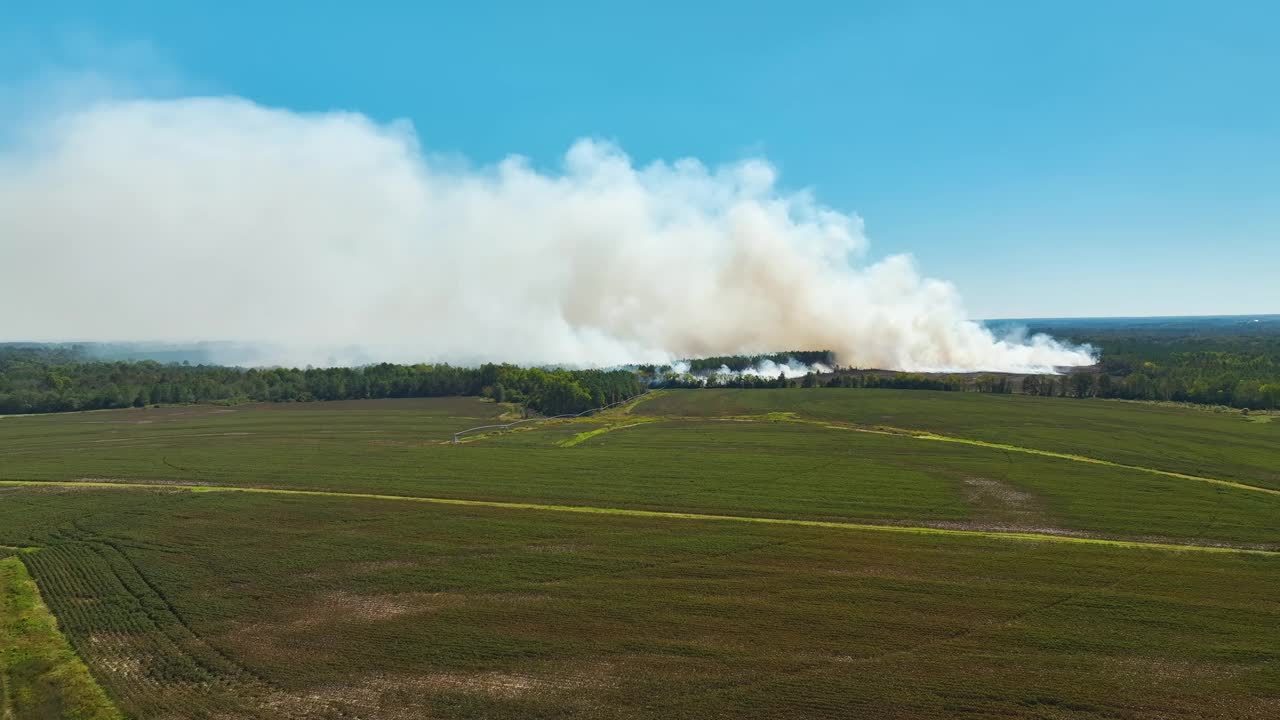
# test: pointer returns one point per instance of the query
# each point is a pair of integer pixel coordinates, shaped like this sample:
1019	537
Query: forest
1234	365
738	363
37	379
1205	361
1229	361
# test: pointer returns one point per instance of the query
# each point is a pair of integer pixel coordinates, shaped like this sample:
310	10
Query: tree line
738	363
1234	369
36	380
841	379
1237	366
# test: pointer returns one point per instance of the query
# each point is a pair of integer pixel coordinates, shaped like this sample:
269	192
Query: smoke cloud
329	238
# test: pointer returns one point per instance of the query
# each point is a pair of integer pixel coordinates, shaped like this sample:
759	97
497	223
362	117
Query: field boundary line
657	514
938	437
928	435
925	435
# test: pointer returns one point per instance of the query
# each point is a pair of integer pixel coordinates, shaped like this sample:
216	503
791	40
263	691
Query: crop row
134	642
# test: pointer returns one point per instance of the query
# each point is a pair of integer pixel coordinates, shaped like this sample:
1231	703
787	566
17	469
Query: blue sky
1050	159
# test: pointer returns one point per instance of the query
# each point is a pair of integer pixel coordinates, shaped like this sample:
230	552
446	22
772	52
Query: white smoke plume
792	368
765	368
328	238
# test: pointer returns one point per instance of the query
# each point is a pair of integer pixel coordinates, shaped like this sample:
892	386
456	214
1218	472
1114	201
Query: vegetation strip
919	435
36	659
626	512
565	416
584	436
18	549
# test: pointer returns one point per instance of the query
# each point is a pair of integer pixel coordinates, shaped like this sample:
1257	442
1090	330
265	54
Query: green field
702	554
1170	438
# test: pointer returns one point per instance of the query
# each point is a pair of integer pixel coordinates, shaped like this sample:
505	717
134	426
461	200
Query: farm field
700	554
1177	439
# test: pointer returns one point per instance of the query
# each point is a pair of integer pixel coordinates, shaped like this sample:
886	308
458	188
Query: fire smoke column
329	238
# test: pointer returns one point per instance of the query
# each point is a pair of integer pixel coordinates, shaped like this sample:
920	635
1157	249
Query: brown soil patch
1164	669
116	655
987	492
999	505
159	484
1009	528
556	549
349	606
407	697
372	566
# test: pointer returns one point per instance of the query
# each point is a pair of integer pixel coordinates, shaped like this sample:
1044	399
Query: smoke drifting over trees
328	238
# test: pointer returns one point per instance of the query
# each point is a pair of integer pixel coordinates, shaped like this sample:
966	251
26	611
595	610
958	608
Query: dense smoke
327	238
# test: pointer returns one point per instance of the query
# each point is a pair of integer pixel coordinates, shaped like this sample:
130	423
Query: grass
1093	461
610	426
207	601
699	555
1176	439
40	675
764	469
